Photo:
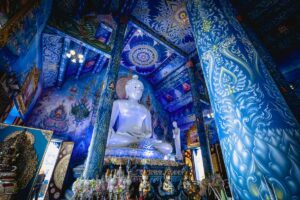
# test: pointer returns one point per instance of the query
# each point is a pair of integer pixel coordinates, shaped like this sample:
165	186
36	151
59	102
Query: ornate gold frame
192	131
33	75
14	23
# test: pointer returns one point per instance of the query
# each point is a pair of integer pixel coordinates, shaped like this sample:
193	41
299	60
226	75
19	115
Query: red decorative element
124	19
239	18
169	97
283	90
89	64
73	89
283	29
186	87
189	64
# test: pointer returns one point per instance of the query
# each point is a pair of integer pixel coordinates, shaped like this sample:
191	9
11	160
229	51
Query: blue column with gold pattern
197	109
259	136
95	159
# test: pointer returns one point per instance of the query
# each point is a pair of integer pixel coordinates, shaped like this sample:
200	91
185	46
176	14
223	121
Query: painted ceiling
169	19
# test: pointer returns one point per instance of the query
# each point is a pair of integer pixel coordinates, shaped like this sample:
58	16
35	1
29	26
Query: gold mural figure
18	161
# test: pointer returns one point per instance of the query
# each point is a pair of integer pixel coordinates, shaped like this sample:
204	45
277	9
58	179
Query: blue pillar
259	136
289	95
197	109
63	63
86	51
95	159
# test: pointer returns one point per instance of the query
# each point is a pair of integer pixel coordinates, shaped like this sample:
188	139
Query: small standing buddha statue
168	186
144	187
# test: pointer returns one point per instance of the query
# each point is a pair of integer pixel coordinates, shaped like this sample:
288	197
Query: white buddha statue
131	121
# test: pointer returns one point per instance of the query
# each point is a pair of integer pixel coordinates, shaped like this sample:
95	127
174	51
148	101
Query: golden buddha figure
167	184
144	187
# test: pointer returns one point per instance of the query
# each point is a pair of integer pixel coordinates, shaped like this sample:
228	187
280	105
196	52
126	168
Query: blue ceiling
143	53
169	19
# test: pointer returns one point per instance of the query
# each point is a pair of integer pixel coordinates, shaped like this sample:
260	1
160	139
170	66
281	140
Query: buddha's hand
110	132
148	134
136	134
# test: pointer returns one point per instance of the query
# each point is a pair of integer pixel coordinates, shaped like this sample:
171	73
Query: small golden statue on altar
189	188
144	187
167	184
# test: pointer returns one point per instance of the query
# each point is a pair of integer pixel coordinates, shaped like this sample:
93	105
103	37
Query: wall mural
69	111
51	54
169	19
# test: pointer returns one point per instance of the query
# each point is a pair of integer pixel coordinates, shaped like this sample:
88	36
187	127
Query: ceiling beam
106	51
156	36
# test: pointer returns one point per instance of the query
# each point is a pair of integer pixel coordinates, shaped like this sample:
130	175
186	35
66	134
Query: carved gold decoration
47	134
156	162
29	135
22	102
15	22
192	137
25	156
62	165
61	169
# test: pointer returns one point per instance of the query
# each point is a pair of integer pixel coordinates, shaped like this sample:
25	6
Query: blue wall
22	51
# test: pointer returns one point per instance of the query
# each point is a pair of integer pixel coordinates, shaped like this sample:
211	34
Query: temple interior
149	99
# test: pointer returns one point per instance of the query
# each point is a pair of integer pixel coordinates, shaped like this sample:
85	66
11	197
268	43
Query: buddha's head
174	124
145	175
168	175
134	88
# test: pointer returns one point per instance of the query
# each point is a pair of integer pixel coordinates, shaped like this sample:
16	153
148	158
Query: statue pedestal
128	152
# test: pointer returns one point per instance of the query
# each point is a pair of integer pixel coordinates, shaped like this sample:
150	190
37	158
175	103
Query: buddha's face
134	89
168	177
144	177
174	124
